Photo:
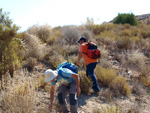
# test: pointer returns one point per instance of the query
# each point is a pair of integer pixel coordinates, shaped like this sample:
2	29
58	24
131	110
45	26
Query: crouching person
66	75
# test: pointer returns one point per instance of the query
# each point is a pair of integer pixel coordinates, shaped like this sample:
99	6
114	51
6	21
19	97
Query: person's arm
75	76
52	96
79	57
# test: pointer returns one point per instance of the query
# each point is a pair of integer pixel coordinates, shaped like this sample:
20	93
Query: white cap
50	75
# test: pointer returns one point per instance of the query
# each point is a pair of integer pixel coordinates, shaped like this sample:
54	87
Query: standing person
90	63
66	74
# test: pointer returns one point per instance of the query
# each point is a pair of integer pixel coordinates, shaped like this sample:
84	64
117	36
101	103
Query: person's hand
50	107
78	91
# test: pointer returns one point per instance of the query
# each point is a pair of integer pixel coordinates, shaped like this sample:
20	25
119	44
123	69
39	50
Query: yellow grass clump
109	78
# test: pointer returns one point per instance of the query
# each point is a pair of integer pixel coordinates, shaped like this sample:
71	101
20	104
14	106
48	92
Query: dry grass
108	37
123	43
105	75
34	47
120	86
19	98
136	60
71	35
107	109
43	32
110	79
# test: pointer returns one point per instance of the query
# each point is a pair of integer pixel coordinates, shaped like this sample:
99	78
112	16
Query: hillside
123	71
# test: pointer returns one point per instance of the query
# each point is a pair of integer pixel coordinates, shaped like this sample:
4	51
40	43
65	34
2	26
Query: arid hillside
123	71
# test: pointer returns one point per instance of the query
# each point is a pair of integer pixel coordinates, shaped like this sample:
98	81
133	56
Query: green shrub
125	18
10	46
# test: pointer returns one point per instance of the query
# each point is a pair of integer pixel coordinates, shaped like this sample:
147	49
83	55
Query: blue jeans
90	72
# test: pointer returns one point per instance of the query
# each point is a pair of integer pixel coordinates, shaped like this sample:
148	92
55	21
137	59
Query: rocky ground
137	102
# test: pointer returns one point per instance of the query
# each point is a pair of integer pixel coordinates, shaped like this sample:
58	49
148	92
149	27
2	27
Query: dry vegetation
123	72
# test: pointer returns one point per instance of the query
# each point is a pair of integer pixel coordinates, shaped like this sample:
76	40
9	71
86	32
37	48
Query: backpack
68	65
93	51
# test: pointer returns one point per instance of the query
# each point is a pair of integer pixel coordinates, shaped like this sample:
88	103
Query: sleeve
53	83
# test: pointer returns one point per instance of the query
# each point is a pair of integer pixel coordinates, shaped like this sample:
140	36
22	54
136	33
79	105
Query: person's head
50	75
82	40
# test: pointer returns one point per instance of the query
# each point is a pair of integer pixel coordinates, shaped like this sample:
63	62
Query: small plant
85	83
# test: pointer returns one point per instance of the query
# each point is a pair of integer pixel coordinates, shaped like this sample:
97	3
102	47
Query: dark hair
82	38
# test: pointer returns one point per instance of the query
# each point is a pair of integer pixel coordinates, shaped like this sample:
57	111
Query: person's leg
90	71
62	98
73	99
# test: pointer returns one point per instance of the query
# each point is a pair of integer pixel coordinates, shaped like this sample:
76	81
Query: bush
85	83
125	18
110	79
34	47
71	35
42	32
136	60
105	75
108	37
10	46
124	43
97	29
120	86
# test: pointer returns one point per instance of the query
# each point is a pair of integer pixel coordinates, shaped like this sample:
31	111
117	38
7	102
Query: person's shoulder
84	44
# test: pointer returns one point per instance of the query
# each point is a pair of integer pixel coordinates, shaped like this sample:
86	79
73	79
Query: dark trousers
90	72
62	93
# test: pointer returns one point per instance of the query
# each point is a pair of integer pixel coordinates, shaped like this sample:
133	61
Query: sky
26	13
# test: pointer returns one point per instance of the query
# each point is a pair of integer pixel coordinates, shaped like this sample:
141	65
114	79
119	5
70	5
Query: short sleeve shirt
84	48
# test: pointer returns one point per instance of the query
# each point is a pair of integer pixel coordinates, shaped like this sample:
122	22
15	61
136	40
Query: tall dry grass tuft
19	97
